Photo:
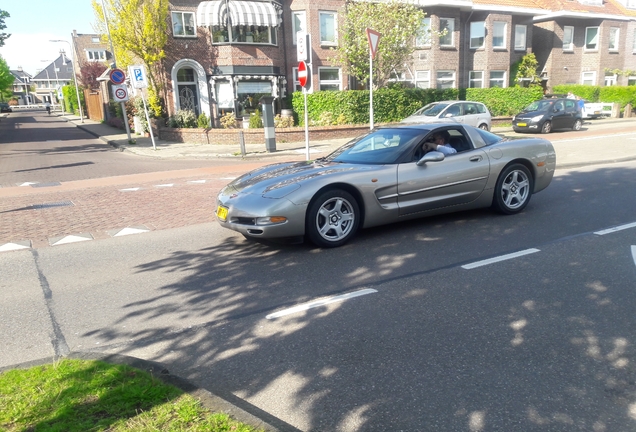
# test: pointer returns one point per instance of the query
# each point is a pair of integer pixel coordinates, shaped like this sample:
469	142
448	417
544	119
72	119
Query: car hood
276	178
529	114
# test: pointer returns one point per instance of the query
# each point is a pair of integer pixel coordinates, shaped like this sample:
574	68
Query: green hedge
621	94
70	99
394	104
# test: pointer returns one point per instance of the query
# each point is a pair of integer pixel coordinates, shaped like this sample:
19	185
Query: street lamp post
48	85
79	103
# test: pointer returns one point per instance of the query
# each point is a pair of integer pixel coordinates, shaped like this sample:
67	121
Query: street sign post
303	47
374	38
138	76
117	76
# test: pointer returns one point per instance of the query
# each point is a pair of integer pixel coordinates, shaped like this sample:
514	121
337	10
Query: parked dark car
546	115
5	107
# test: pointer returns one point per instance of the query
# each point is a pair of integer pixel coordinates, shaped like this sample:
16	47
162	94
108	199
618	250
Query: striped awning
215	13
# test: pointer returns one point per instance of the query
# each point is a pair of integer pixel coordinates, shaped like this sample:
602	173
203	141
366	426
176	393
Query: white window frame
503	26
585	47
475	77
518	45
302	17
631	80
502	79
615	31
423	76
477	34
610	80
95	55
634	44
183	21
438	80
335	28
568	46
591	79
451	32
330	82
424	40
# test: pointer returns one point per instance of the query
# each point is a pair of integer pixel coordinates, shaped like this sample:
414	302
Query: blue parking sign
138	74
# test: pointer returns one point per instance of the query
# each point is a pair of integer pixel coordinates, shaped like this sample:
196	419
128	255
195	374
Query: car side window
470	108
481	109
453	111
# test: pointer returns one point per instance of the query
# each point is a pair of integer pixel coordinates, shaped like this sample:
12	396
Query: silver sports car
384	177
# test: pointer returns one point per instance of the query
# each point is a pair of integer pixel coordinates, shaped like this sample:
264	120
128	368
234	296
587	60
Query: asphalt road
438	337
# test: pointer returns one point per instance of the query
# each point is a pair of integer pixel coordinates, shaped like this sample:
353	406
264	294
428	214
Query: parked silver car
466	112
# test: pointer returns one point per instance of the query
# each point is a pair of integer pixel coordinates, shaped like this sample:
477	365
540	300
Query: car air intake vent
244	221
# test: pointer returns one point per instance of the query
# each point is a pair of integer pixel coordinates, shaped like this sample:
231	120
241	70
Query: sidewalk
570	152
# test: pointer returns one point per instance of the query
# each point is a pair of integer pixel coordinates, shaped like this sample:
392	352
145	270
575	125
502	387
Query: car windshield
431	110
540	105
383	146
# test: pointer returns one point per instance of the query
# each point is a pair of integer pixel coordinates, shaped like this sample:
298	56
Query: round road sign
117	76
302	73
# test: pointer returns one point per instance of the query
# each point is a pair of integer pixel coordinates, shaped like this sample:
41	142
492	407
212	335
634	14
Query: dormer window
95	40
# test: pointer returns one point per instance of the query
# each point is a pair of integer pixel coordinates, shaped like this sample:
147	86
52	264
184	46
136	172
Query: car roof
423	126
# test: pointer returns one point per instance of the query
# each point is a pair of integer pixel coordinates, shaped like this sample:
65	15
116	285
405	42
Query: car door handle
475	158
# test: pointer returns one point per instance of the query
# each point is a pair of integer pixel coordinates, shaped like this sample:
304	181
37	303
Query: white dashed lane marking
70	239
499	258
617	228
15	246
319	303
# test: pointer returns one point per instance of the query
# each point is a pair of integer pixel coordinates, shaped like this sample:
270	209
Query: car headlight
536	118
279	191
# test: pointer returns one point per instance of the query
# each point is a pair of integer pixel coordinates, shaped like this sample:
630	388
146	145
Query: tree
527	71
6	80
397	22
89	72
139	30
3	36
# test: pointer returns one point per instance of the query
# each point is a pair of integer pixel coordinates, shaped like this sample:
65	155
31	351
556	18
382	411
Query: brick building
223	55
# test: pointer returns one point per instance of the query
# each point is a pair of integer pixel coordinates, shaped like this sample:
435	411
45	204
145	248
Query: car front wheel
513	189
333	218
546	128
577	125
483	126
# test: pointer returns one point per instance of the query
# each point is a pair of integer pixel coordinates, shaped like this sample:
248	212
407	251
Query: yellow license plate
221	212
522	124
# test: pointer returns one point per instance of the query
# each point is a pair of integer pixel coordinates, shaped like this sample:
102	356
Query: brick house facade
214	68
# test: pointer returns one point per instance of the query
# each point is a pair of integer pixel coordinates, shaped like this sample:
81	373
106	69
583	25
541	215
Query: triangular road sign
374	38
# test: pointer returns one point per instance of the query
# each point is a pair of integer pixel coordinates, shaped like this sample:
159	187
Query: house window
613	38
477	34
95	40
498	79
591	38
183	24
250	34
631	80
610	80
476	79
299	24
297	86
520	37
634	44
96	55
499	34
423	79
445	79
588	78
329	79
423	38
568	38
447	27
328	28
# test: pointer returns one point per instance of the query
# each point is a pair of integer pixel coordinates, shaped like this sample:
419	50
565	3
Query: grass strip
87	395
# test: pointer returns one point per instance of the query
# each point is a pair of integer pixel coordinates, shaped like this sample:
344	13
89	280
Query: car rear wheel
332	219
547	127
483	126
577	125
513	189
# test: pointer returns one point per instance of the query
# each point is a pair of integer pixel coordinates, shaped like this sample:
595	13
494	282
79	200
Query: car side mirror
433	156
449	115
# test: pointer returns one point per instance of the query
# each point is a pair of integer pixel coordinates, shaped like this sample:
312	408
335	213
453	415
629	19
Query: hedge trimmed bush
394	104
622	94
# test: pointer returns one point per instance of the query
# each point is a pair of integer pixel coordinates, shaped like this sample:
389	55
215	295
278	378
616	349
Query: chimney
75	33
20	69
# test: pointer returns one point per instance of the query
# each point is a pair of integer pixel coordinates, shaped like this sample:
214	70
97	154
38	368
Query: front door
458	179
188	98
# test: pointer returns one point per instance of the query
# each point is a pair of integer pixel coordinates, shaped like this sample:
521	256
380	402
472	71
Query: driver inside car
439	142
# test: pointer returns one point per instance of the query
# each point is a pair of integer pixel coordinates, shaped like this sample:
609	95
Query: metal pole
48	85
306	124
57	82
370	90
152	135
